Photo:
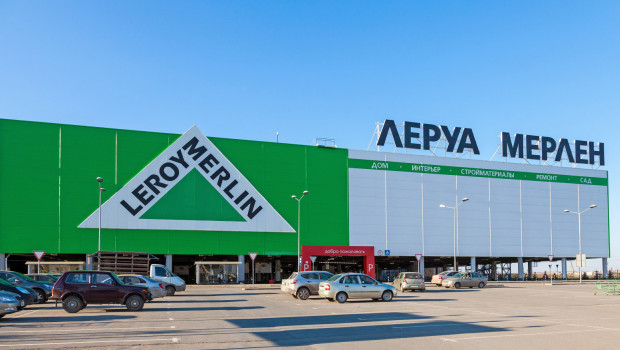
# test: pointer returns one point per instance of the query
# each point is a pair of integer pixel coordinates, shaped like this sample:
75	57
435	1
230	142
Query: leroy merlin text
208	163
420	136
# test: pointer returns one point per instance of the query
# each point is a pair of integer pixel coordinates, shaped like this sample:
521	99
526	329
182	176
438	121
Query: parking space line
27	313
172	340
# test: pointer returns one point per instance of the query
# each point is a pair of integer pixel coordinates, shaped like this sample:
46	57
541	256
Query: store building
206	203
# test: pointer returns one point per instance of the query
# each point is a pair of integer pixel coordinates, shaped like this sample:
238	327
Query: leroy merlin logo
190	186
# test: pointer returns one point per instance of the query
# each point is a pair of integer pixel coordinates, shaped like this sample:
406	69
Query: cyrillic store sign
520	146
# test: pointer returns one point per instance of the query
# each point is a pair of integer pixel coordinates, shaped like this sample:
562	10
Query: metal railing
607	287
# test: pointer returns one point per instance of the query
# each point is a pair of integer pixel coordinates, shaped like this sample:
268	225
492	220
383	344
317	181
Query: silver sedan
468	279
156	289
355	286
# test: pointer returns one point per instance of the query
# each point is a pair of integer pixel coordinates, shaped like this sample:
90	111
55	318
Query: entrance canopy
323	250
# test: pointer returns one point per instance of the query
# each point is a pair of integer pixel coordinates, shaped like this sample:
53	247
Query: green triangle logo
193	198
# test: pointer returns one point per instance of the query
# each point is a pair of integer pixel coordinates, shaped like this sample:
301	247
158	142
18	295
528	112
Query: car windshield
23	276
444	273
413	275
333	278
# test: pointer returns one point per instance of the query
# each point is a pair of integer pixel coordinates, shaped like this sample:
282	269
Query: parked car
43	288
28	294
9	303
44	277
303	284
355	286
156	289
409	281
468	279
173	282
438	279
77	289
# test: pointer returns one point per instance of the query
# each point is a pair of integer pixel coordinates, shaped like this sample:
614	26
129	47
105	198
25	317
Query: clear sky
249	69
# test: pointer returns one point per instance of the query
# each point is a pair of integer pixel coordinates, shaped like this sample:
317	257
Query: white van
173	282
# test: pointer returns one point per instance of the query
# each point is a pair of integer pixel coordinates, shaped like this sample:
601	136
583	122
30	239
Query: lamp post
455	226
579	221
299	225
101	189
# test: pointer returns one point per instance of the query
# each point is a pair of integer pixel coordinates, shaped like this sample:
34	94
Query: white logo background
114	215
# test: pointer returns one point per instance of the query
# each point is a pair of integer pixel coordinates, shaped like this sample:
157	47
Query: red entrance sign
368	252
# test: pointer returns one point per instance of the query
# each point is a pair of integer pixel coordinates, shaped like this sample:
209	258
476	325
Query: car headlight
8	299
23	290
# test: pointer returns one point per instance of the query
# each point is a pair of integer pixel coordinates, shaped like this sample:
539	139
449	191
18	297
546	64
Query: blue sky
319	68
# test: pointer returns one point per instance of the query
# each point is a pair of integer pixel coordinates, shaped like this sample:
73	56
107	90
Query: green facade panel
48	187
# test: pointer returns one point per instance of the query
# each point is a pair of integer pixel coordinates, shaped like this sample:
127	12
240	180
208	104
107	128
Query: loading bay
508	316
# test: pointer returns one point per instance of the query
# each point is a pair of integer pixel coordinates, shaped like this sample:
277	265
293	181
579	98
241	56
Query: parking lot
511	316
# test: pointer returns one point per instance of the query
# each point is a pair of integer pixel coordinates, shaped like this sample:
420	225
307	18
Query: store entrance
339	264
350	254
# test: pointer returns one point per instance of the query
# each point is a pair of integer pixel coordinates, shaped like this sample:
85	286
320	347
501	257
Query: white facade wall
400	211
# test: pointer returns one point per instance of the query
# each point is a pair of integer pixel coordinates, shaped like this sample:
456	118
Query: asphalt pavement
509	316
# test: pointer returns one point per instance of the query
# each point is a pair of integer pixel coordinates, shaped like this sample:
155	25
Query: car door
313	282
104	289
468	281
370	287
161	274
351	285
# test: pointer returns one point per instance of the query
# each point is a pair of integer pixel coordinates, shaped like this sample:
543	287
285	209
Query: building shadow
361	333
322	319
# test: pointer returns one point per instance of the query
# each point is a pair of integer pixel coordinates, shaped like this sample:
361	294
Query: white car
156	289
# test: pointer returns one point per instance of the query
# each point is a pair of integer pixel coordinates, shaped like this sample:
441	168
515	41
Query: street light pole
101	189
299	226
579	223
455	227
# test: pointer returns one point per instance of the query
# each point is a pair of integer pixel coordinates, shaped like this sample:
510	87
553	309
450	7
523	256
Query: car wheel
42	297
341	297
457	285
481	285
422	290
2	315
439	285
134	303
386	296
72	304
303	293
170	290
